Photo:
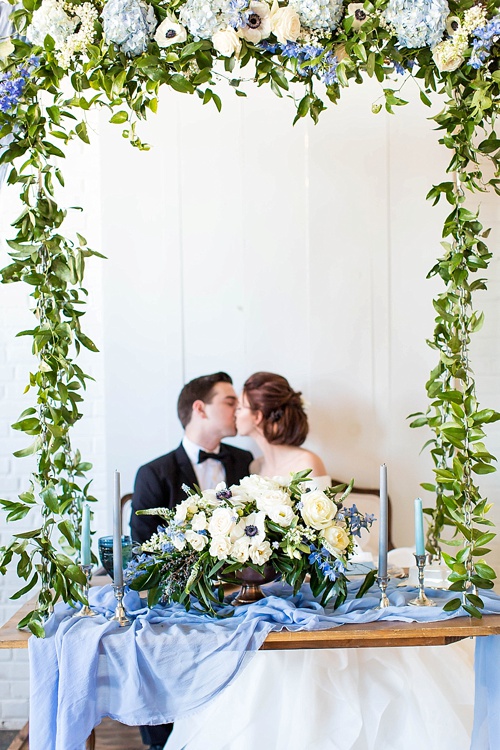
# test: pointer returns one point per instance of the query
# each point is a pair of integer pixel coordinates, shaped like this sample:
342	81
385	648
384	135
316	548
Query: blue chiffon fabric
170	662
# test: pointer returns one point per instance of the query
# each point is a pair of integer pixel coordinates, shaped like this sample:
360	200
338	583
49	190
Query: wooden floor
110	735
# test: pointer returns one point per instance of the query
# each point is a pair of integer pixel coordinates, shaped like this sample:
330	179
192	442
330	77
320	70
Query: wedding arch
58	60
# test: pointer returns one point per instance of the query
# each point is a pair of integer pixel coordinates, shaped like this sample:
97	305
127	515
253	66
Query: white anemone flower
170	32
257	22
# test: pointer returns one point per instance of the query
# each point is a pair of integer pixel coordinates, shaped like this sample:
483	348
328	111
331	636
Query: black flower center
359	14
254	21
454	25
251	530
170	34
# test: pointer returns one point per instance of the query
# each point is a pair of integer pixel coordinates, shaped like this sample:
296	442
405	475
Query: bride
272	413
328	699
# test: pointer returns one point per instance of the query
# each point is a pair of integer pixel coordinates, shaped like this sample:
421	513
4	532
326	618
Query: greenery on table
66	58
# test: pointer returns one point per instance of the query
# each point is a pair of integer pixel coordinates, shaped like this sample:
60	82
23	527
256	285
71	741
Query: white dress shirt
210	472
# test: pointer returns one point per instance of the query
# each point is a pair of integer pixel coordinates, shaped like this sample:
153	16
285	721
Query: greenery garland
116	55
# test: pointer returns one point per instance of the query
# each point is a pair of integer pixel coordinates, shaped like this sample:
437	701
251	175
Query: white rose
260	553
179	541
285	23
189	506
199	521
240	550
283	515
258	22
197	541
221	547
317	509
336	537
273	499
170	32
254	486
222	522
227	42
6	49
447	56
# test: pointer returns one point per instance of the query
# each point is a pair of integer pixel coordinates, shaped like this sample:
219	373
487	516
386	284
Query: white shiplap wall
241	243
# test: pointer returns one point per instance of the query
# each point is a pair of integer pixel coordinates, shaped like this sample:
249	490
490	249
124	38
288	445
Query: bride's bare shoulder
256	465
310	460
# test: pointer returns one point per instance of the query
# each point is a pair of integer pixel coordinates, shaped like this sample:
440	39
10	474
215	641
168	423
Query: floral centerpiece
214	534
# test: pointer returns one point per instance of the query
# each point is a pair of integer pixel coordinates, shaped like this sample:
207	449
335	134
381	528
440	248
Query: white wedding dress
340	699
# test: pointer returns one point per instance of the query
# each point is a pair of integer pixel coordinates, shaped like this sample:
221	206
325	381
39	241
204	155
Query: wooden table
365	635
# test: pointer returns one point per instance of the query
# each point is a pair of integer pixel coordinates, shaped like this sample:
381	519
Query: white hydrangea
51	19
318	14
87	14
474	18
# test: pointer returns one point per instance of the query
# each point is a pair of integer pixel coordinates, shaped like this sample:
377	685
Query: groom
207	412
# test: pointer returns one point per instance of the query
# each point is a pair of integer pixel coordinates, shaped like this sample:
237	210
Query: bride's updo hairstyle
284	419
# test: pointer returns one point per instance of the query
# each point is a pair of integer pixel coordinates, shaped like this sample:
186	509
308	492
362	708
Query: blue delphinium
417	23
325	68
330	566
484	38
130	24
131	571
12	84
357	520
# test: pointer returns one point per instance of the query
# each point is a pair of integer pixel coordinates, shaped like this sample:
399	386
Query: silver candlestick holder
382	583
120	615
421	600
86	611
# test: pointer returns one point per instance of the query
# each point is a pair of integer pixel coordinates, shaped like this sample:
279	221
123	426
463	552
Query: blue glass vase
105	547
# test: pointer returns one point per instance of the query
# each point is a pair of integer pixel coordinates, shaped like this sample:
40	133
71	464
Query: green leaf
485	571
81	131
119	118
452	605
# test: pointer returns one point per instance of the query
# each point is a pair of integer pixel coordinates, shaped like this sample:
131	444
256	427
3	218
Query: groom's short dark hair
200	388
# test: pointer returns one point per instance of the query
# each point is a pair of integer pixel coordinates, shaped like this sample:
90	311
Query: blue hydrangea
130	24
484	38
417	23
204	18
319	14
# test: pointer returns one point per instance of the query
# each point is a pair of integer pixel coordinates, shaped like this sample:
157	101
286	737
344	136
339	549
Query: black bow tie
221	456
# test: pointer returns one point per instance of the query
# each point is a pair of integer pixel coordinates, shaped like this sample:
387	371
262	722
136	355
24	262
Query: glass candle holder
105	547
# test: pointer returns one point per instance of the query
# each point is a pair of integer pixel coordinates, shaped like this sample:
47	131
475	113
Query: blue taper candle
419	528
383	524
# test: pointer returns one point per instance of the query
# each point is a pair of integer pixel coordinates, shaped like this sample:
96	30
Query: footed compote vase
251	580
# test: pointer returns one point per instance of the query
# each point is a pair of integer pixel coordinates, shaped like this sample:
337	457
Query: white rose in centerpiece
317	509
285	23
336	537
283	515
240	550
257	22
273	499
186	508
221	547
197	541
170	32
260	553
199	521
227	42
447	56
254	486
222	522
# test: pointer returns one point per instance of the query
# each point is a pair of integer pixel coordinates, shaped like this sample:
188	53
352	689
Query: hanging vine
116	55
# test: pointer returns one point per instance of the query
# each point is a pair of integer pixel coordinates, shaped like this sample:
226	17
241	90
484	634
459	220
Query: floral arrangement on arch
213	534
180	43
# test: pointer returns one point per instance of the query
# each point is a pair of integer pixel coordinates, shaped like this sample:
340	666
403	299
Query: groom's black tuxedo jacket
158	484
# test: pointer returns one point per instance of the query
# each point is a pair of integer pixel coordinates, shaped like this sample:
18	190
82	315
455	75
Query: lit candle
419	528
383	524
117	534
85	541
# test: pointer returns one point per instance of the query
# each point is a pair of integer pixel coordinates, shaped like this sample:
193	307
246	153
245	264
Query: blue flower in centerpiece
417	23
130	24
